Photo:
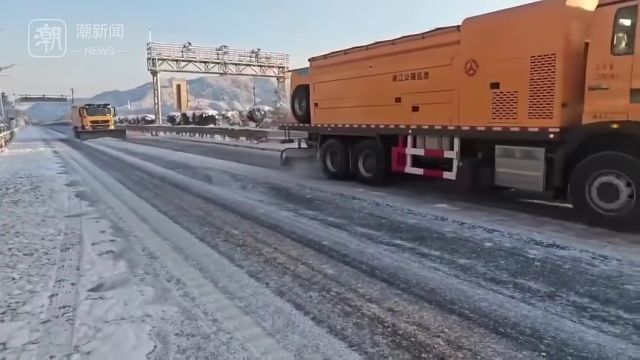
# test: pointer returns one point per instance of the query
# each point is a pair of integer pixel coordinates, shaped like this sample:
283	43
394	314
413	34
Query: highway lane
197	304
391	274
392	279
426	190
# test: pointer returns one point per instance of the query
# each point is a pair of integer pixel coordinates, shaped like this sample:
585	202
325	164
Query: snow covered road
178	255
57	254
84	277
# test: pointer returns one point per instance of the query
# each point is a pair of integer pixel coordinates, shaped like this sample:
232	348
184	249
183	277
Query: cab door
610	63
634	99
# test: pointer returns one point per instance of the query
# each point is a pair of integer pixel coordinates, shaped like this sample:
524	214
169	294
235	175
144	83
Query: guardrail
259	135
6	137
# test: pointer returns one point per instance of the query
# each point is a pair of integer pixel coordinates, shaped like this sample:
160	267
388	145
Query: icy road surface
171	254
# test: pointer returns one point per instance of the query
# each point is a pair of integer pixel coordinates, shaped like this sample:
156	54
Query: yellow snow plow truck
91	121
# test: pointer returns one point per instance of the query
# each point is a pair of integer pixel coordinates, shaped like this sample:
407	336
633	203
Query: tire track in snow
182	254
58	321
533	327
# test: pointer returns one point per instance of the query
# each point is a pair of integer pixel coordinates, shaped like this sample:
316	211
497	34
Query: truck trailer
543	97
90	121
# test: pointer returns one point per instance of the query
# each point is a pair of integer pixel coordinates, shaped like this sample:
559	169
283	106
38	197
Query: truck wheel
371	162
301	104
335	159
605	187
76	134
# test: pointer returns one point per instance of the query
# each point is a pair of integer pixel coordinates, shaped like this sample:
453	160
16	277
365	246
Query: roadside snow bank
32	225
65	291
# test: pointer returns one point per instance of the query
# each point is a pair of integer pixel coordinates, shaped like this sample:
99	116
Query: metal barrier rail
260	135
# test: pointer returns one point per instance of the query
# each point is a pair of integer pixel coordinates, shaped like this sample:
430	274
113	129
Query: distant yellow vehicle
92	121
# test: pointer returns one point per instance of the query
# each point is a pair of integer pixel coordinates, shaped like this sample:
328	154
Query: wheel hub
612	192
301	105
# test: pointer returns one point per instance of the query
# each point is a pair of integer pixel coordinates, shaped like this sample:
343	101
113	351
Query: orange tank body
523	66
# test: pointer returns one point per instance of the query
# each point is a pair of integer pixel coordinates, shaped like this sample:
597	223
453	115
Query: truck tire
335	159
76	133
371	162
301	104
605	188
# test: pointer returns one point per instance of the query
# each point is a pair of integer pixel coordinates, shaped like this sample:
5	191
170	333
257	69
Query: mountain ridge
221	93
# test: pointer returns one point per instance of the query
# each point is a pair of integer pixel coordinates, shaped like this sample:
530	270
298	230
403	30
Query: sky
299	28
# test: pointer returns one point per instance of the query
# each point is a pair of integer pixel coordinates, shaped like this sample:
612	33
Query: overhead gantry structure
221	60
25	98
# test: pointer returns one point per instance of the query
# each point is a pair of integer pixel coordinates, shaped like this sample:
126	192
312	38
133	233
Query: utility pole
253	83
157	96
2	106
2	113
72	97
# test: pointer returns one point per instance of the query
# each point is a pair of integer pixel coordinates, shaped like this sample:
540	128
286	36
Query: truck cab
613	64
600	158
93	116
95	120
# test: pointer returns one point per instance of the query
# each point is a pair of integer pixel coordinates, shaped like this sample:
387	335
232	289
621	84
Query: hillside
208	92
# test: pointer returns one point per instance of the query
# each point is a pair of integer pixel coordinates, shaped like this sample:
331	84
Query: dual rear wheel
367	160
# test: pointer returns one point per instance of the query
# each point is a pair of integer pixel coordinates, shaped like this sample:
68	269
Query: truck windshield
94	111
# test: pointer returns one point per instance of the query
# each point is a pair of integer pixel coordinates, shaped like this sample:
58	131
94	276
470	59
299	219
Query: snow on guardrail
234	133
6	137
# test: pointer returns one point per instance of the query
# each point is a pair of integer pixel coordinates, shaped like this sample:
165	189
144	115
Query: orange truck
543	97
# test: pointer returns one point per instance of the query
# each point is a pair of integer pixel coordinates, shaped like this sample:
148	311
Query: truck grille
542	87
504	105
100	122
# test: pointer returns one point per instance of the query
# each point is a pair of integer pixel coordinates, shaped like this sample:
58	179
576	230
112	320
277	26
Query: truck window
98	111
624	31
